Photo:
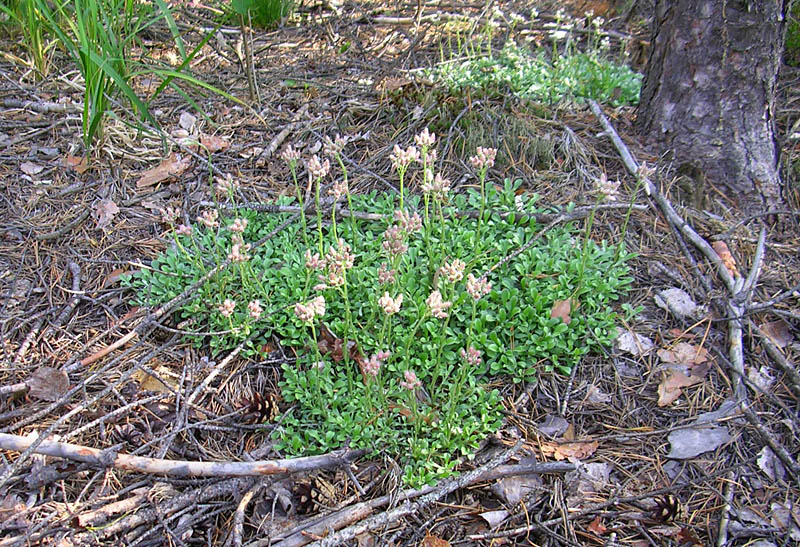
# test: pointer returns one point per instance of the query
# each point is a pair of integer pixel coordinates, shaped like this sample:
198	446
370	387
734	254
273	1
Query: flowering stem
314	370
349	199
348	320
319	216
483	207
293	167
585	251
639	181
401	172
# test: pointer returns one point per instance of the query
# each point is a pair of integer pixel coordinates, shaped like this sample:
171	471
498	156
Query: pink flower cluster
225	185
337	262
239	250
436	186
483	158
453	271
227	308
608	189
238	226
318	168
170	215
209	218
401	159
334	147
425	139
310	310
477	288
255	309
390	305
183	230
394	241
374	363
409	223
290	155
438	306
386	275
411	381
471	356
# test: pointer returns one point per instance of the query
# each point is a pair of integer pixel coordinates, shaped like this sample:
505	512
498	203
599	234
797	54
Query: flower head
386	275
338	189
409	223
314	261
183	230
411	381
290	155
483	158
437	186
334	147
373	365
339	257
227	307
390	305
471	356
311	309
239	252
255	309
239	225
209	218
437	305
318	304
225	185
477	288
401	159
394	241
318	168
608	189
425	139
170	215
453	271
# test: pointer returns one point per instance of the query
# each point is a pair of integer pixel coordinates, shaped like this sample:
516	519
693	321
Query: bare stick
179	468
412	507
101	515
235	539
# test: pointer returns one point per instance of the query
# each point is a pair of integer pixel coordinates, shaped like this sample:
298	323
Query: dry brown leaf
725	255
779	332
79	163
113	276
30	168
48	383
562	309
393	84
172	166
670	388
433	541
564	451
105	212
148	382
684	353
597	527
212	143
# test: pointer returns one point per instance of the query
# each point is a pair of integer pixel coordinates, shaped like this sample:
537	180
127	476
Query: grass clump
400	326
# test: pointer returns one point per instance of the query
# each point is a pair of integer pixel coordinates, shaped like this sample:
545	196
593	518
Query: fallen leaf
433	541
596	526
770	464
670	387
553	426
725	255
187	121
113	276
515	488
494	518
212	143
688	443
633	343
48	383
677	302
561	309
393	84
105	212
596	396
779	332
564	451
148	382
686	535
79	163
30	168
172	166
684	353
784	517
761	377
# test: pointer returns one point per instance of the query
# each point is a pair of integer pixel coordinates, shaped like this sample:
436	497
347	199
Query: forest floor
652	445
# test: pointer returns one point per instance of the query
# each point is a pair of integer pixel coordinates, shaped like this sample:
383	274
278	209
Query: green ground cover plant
546	75
400	325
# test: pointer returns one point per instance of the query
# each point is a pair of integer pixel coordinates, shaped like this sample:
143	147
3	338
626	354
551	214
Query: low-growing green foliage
424	298
539	77
262	13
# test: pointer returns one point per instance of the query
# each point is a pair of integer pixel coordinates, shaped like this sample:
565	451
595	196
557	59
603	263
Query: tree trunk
709	90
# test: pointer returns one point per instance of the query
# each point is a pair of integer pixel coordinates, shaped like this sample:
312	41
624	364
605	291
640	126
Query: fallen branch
179	468
409	507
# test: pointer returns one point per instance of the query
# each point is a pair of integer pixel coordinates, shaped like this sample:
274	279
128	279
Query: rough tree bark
709	89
